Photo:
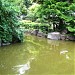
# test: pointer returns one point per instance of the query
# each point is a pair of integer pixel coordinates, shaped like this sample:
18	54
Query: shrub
9	25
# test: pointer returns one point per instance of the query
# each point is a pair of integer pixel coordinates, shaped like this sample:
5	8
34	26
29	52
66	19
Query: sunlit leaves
56	10
71	29
9	21
72	7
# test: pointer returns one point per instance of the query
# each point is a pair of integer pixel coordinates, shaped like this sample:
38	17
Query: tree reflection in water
21	69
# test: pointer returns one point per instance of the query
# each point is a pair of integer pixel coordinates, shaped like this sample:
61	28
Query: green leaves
9	21
71	29
72	7
60	13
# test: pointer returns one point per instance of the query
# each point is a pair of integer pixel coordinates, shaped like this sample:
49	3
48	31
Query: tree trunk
61	25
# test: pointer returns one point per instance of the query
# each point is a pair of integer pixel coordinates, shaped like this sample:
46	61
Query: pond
38	56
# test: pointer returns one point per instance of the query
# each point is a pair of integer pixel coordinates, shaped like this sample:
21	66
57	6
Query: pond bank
51	35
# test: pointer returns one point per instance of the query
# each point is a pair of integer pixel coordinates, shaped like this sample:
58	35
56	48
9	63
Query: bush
9	25
33	25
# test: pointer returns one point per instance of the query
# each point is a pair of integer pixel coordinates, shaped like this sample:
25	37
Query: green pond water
38	56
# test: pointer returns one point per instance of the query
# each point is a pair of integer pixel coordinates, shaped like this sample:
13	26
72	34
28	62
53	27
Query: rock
62	37
64	31
44	35
5	44
69	37
35	32
40	34
54	36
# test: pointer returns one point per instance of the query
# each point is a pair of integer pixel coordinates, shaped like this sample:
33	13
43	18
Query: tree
58	13
9	25
32	10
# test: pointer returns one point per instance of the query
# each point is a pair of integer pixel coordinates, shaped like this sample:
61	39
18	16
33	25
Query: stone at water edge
35	32
69	37
63	37
54	36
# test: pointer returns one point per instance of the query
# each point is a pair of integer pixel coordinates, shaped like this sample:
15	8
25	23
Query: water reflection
38	56
67	56
23	68
63	52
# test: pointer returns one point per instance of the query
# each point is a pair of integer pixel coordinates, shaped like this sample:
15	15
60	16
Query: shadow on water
38	56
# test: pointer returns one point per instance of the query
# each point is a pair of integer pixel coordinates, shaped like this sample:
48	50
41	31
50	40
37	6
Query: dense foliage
9	25
59	14
47	15
29	25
